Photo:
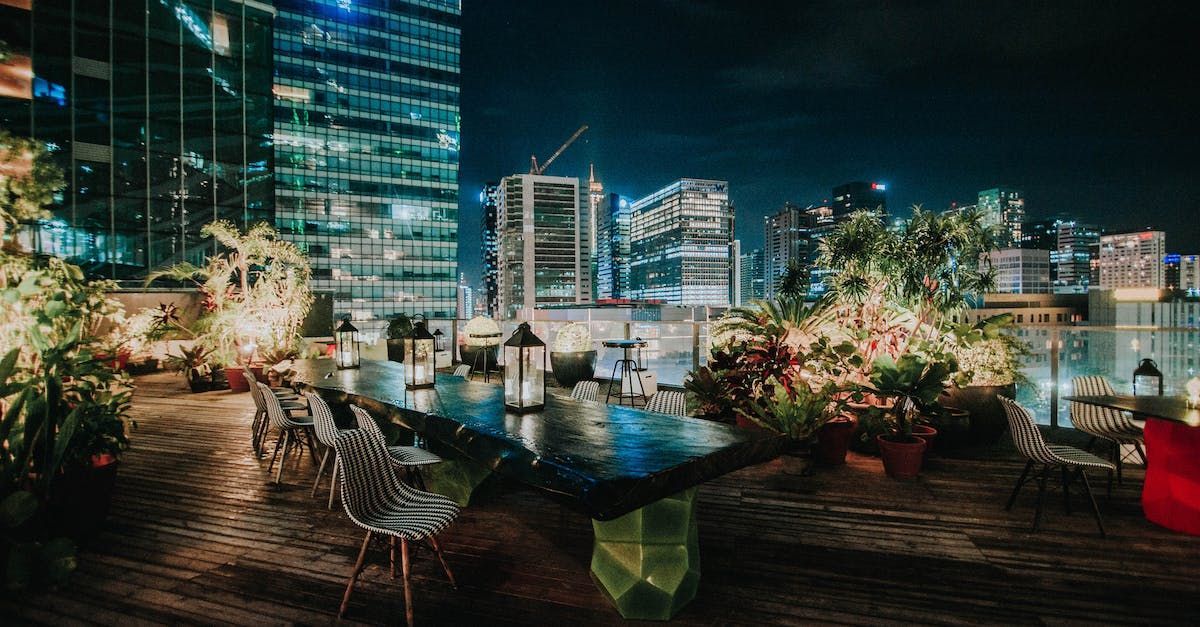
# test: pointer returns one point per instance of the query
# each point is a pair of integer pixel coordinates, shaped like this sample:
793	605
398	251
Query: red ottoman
1171	494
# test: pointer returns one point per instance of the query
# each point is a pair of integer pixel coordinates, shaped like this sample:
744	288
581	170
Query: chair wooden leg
333	481
392	556
437	550
320	470
287	445
404	566
1020	482
1066	490
1095	509
358	567
278	442
1037	514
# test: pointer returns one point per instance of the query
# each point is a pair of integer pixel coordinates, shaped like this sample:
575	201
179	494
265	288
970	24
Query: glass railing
673	349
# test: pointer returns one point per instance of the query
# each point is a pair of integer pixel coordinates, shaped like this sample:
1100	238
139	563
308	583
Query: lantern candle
1193	392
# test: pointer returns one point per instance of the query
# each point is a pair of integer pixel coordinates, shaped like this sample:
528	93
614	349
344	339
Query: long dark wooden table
634	472
1171	491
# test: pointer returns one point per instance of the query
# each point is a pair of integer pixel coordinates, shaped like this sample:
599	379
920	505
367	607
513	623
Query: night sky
1089	107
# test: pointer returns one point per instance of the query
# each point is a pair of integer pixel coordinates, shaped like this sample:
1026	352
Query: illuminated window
220	34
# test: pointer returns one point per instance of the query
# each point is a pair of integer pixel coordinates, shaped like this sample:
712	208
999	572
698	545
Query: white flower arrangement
989	362
575	337
482	331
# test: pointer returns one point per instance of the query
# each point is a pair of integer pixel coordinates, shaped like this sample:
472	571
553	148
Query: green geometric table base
454	478
648	561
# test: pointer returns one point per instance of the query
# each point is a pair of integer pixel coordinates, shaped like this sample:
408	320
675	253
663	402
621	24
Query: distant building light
879	187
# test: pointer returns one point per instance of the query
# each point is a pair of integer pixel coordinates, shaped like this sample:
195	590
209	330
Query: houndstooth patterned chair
293	431
668	402
326	431
463	370
1029	442
261	424
410	458
377	501
586	391
1110	425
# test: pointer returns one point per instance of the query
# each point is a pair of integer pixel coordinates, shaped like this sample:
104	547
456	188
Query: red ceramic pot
901	457
237	380
833	439
927	433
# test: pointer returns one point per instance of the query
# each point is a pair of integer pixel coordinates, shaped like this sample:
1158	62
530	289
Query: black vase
572	367
988	421
395	349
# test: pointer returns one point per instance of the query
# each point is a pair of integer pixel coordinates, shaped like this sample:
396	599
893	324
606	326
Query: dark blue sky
1090	107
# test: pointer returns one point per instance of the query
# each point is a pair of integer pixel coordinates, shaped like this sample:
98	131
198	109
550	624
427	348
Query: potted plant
398	328
915	381
572	356
989	358
481	346
793	409
256	295
192	362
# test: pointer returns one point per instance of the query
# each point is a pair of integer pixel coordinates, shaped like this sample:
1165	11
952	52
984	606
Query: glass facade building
612	247
682	243
786	235
489	200
544	242
1003	209
366	148
753	277
158	111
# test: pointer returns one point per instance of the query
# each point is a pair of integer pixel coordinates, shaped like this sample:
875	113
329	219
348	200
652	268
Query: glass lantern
524	371
1147	379
439	343
345	352
421	370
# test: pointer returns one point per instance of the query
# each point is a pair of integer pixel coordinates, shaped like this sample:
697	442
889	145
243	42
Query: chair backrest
279	418
368	482
463	370
323	423
1095	419
1025	434
255	393
586	391
367	423
668	402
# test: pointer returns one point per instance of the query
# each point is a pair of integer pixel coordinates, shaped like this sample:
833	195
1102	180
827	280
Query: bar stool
628	368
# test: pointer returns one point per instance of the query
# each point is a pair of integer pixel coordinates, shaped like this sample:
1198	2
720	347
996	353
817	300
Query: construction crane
534	168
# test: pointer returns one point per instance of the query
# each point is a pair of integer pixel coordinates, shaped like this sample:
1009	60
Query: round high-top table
1171	492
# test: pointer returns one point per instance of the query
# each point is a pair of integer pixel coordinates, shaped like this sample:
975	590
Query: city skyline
708	90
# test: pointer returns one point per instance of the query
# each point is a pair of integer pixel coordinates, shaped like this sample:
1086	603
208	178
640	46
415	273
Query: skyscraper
682	239
366	142
1073	257
786	241
466	297
1021	270
544	256
489	200
753	277
1133	260
595	196
1003	210
159	115
1040	234
859	196
612	247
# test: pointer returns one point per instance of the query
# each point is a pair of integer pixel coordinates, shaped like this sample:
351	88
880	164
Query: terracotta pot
833	439
901	459
237	380
927	433
745	423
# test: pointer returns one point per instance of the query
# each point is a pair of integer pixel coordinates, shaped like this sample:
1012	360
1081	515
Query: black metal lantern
439	339
346	352
1147	379
524	371
421	368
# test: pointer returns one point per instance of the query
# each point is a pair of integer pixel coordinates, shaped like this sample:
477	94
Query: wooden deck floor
197	534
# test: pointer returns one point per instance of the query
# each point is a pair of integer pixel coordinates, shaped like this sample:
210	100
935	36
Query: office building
1073	257
1003	211
544	259
1133	260
822	221
1189	275
466	298
1021	270
489	205
860	196
682	242
1040	234
612	247
753	279
785	241
159	115
366	144
595	196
